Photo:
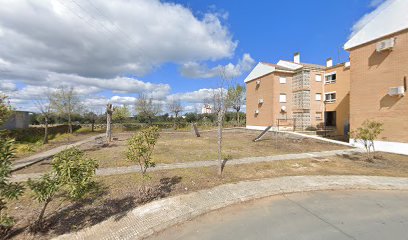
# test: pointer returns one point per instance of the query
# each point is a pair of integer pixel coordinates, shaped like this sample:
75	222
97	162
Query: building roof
391	18
261	69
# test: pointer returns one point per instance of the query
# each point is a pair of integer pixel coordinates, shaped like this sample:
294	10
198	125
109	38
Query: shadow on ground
98	208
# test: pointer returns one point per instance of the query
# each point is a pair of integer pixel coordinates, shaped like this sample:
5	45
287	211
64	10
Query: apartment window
330	78
282	80
330	97
282	98
318	97
318	78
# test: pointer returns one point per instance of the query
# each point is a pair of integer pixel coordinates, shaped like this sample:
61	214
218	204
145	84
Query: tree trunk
41	216
238	117
109	112
220	122
93	126
46	131
69	123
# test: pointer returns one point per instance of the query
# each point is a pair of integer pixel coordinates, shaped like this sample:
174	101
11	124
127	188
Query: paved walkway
22	163
198	164
156	216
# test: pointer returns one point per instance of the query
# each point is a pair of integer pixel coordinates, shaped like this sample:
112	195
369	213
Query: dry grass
118	194
185	147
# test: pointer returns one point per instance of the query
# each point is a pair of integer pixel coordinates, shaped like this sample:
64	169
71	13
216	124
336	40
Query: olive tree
175	107
366	134
236	98
120	114
72	174
46	112
5	109
66	102
147	108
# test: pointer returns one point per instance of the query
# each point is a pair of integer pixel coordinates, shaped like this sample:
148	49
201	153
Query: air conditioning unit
260	101
397	91
385	44
258	82
257	111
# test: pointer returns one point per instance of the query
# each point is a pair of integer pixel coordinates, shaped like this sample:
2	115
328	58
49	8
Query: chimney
296	57
329	62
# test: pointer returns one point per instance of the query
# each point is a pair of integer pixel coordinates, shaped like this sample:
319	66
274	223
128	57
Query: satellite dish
283	109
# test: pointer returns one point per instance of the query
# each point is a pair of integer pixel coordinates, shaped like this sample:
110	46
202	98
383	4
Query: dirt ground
185	147
118	194
175	147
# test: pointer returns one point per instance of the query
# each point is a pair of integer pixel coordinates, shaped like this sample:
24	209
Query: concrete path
198	164
22	163
352	214
156	216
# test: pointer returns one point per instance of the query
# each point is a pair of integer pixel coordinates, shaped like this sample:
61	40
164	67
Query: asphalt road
313	215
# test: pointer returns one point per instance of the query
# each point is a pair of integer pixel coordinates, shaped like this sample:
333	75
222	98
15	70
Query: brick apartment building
371	86
292	94
379	72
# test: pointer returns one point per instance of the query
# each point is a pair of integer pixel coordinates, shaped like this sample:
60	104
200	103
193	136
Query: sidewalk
198	164
19	164
145	220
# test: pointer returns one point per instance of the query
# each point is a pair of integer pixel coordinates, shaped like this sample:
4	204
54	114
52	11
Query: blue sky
111	51
271	30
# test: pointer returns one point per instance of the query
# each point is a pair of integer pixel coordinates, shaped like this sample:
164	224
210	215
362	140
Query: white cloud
102	39
7	86
196	70
198	96
380	6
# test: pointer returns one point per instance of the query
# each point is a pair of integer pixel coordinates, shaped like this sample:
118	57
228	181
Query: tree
66	102
366	135
174	106
147	108
109	112
91	118
140	148
120	114
236	97
8	190
72	173
5	109
220	102
45	108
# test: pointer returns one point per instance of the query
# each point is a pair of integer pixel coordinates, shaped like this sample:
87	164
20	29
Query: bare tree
45	108
220	102
66	102
174	106
109	112
146	107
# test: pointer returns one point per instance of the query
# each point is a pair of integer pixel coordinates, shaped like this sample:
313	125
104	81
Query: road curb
156	216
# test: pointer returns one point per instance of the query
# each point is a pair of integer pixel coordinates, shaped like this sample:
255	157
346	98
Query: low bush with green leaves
141	146
366	134
8	190
72	174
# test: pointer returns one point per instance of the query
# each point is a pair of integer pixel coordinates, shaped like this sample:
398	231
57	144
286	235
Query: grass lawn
118	194
25	149
185	147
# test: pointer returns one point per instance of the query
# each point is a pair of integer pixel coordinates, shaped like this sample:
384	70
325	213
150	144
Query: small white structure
207	108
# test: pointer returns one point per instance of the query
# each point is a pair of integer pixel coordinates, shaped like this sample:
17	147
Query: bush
366	134
72	173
